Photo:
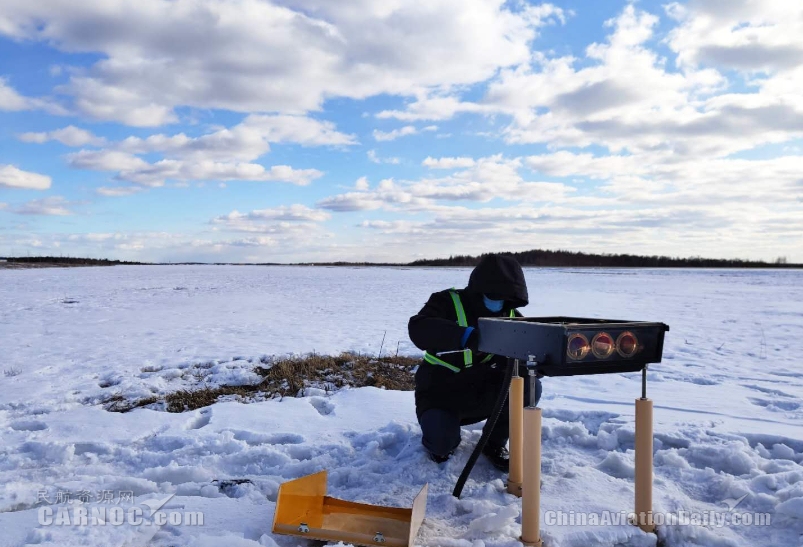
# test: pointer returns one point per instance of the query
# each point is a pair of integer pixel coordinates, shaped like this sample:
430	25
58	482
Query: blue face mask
493	305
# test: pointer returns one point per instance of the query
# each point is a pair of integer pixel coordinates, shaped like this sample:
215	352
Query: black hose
487	429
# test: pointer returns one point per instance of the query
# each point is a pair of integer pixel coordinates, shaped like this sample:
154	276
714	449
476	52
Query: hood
500	275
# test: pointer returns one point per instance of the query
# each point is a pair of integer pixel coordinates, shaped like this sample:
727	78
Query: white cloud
394	134
260	241
256	56
361	184
298	129
447	163
245	141
374	158
10	99
686	112
352	201
131	168
281	226
238	143
52	206
70	136
291	213
106	160
118	191
486	179
155	174
750	35
436	106
225	154
12	177
564	164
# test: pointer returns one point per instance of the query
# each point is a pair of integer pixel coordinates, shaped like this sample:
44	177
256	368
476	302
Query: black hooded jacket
471	391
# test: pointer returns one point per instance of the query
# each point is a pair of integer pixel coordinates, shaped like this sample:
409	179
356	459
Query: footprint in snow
28	425
253	438
768	391
200	421
323	406
776	405
109	380
703	381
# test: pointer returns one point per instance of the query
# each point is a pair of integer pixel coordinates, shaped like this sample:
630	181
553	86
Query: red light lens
577	347
602	345
627	344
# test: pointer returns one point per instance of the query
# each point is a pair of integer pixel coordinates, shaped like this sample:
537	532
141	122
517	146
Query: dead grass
290	377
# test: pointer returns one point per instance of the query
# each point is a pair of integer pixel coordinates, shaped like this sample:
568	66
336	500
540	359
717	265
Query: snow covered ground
728	405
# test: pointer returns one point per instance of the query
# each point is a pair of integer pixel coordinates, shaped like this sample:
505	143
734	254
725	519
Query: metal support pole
531	487
644	383
644	463
516	406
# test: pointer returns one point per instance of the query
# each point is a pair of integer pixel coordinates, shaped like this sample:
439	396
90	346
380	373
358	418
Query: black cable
487	429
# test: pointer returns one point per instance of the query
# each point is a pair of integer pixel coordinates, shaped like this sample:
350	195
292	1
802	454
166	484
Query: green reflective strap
458	308
429	358
468	355
468	358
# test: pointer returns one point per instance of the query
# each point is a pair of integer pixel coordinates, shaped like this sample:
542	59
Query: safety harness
468	355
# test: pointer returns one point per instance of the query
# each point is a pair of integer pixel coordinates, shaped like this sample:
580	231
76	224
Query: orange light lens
627	344
603	345
577	347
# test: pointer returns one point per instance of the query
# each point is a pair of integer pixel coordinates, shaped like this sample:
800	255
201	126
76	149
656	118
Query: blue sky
290	130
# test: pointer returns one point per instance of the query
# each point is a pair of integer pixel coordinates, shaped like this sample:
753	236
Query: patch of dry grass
289	377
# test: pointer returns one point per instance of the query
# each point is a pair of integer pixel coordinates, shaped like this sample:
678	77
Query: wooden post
643	479
516	404
531	487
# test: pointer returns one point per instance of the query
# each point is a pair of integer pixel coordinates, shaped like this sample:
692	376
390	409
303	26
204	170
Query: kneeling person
456	384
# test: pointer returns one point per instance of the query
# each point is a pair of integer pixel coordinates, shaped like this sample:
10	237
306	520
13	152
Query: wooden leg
531	487
516	404
643	477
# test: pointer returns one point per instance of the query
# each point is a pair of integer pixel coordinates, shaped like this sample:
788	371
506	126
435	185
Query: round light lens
577	347
627	344
602	345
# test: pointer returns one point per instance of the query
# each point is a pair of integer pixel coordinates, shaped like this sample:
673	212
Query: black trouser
441	427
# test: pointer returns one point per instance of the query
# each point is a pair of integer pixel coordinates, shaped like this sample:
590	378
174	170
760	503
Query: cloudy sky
287	130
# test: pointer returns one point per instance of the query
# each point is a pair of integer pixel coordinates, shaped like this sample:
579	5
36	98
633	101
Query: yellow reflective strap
429	358
468	355
468	358
458	308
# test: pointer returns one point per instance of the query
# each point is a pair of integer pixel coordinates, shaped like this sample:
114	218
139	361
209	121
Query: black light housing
568	346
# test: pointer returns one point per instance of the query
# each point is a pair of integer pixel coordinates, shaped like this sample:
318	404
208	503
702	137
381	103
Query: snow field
727	399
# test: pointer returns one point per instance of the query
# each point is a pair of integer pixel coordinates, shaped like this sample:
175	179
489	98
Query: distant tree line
67	260
532	258
568	259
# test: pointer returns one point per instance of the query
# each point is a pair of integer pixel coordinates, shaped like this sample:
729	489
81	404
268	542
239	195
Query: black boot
438	459
498	456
